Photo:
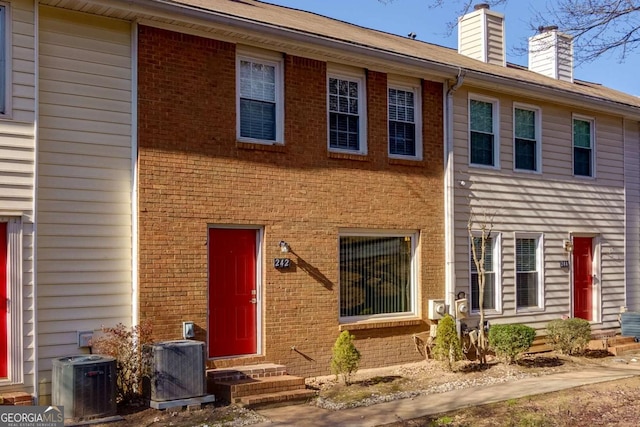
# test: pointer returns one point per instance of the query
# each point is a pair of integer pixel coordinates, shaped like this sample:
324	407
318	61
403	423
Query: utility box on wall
176	370
437	309
85	385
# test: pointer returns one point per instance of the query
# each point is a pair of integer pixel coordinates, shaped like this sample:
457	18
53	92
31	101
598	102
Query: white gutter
449	196
36	49
135	314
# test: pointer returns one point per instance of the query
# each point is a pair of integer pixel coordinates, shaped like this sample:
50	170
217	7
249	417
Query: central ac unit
176	370
85	385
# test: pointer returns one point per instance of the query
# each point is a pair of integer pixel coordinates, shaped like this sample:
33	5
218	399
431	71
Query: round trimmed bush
510	341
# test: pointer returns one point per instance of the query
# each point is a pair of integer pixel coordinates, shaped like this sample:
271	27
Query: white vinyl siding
632	213
17	181
481	36
553	204
85	175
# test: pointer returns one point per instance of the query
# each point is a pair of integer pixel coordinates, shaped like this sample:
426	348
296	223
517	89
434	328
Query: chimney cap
547	28
481	6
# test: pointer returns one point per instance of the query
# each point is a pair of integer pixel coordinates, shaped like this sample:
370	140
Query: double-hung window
404	115
583	146
377	275
491	295
483	132
347	112
527	144
528	271
260	105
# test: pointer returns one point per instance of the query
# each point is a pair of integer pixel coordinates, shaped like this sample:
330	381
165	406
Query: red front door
4	338
582	278
232	292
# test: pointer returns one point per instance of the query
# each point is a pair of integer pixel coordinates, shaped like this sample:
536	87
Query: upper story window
347	113
260	100
377	275
528	271
526	135
491	295
405	127
483	132
583	146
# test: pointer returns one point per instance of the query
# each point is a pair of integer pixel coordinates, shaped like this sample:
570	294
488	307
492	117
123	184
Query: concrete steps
257	386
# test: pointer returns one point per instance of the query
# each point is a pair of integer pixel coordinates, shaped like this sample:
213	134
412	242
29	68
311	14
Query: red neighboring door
232	292
4	338
582	277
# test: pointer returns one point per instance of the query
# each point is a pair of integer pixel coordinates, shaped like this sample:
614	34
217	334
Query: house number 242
281	262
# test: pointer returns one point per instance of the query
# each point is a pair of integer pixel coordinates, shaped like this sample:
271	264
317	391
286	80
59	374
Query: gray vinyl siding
632	213
85	175
17	181
553	204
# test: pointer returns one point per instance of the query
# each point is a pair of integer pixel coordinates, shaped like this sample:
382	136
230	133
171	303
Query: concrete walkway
406	409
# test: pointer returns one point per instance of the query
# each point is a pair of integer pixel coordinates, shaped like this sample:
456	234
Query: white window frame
15	359
592	122
496	129
5	55
497	271
414	306
360	78
416	88
272	59
539	268
538	139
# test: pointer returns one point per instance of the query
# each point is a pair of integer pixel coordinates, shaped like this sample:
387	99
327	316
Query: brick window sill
379	324
407	162
347	156
278	148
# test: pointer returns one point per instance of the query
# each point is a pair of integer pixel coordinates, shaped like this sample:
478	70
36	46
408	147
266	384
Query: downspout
36	137
449	196
135	313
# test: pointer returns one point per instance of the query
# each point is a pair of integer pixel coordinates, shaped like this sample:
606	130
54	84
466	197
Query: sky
402	17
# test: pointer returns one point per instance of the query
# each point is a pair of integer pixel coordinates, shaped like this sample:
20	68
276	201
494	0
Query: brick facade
193	173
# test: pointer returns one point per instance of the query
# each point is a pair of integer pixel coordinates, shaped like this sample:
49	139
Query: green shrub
447	347
346	357
510	341
568	336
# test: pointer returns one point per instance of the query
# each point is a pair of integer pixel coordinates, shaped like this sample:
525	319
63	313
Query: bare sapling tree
479	234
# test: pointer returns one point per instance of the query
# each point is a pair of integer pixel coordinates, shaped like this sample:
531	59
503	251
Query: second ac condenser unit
85	385
176	370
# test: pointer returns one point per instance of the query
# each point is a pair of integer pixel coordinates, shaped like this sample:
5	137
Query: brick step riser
262	388
276	399
622	349
230	393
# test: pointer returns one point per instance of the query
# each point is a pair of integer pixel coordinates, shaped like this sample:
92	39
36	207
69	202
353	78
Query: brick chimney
551	53
481	35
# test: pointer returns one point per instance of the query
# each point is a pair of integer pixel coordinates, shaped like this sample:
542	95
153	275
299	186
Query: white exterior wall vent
481	35
551	54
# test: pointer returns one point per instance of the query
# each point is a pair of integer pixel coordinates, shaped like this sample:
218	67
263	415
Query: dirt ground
610	404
